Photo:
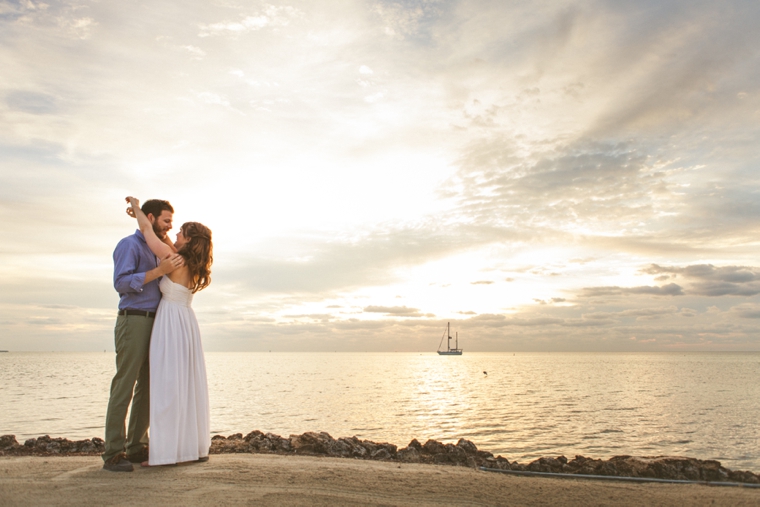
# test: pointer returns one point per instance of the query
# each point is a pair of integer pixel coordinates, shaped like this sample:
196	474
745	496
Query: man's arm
125	276
164	268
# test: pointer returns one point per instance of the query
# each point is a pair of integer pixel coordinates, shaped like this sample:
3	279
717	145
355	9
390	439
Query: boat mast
457	345
448	332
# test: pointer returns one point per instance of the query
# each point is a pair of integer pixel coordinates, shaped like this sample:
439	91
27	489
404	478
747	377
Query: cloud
271	16
747	311
670	289
346	153
335	264
396	311
31	102
409	19
712	281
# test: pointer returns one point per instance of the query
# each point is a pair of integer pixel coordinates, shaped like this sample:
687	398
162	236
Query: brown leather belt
141	313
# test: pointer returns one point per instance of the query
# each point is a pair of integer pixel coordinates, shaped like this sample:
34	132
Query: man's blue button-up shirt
131	259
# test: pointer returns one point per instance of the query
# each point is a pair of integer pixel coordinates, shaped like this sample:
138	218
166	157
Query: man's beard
159	231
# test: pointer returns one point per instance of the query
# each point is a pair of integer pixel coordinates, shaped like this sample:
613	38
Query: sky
556	175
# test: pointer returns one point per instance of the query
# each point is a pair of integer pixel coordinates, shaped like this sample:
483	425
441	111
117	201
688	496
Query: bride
179	406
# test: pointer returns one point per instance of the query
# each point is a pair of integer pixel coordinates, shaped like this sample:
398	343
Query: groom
136	275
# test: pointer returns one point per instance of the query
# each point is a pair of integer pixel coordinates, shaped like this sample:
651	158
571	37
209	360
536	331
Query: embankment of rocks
463	453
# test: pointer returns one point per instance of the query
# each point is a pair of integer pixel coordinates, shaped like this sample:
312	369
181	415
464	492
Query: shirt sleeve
125	261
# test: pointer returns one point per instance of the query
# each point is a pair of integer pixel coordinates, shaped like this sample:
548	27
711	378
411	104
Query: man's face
162	224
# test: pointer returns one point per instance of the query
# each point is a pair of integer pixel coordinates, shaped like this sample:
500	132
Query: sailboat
456	351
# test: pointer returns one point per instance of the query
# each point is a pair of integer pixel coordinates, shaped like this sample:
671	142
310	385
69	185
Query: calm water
704	405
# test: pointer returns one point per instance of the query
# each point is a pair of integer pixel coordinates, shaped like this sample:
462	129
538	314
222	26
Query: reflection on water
704	405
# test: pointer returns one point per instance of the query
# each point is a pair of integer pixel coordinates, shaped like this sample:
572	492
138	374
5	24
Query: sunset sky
547	176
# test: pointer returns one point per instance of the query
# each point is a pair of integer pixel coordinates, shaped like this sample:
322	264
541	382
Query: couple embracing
160	366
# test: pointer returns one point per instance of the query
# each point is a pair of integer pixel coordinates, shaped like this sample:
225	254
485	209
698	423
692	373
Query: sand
269	480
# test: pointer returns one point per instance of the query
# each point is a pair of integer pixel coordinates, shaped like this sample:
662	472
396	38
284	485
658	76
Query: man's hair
156	207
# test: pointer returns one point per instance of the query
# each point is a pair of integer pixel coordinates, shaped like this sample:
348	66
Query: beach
272	480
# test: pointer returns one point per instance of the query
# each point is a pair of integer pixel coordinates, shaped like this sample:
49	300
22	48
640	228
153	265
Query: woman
179	407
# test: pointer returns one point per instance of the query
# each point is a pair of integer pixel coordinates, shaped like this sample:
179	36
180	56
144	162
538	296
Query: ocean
522	405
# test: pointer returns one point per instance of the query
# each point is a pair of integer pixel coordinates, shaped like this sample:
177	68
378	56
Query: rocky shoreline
463	453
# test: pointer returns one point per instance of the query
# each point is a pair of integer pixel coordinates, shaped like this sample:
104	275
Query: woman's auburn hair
198	253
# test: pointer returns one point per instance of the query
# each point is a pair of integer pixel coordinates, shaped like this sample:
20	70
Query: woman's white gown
179	408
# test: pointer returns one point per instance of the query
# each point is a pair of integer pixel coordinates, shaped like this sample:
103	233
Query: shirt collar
139	234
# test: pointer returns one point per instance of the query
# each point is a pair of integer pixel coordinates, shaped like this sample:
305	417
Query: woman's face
182	240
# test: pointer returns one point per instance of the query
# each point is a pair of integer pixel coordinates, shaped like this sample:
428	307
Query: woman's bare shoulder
181	276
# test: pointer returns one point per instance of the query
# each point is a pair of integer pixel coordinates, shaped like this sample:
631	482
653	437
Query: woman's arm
159	248
169	243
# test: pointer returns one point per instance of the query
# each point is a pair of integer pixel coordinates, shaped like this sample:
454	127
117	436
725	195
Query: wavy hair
198	253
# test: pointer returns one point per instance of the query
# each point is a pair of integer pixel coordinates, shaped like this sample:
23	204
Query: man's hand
170	264
166	266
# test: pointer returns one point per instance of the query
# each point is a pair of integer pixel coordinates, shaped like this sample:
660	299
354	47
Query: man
136	275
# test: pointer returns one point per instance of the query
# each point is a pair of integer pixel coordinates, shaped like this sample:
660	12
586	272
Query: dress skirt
179	405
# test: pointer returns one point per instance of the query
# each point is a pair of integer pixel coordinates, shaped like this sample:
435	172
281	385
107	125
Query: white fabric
179	407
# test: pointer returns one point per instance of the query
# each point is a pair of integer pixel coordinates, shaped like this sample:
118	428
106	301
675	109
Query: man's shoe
139	456
202	459
118	464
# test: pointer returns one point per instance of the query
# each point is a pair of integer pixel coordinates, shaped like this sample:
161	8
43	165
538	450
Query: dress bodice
172	292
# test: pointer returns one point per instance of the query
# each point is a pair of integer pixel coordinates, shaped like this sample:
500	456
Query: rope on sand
617	478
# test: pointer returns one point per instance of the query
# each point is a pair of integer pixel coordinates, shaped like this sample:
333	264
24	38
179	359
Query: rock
440	459
434	447
390	448
8	442
381	454
409	455
606	468
554	464
463	453
254	434
87	447
713	471
341	448
467	446
414	443
266	443
456	454
537	466
357	449
285	445
369	445
311	443
482	455
260	444
744	476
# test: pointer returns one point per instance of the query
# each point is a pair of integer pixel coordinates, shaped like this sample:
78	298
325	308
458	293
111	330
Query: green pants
132	340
